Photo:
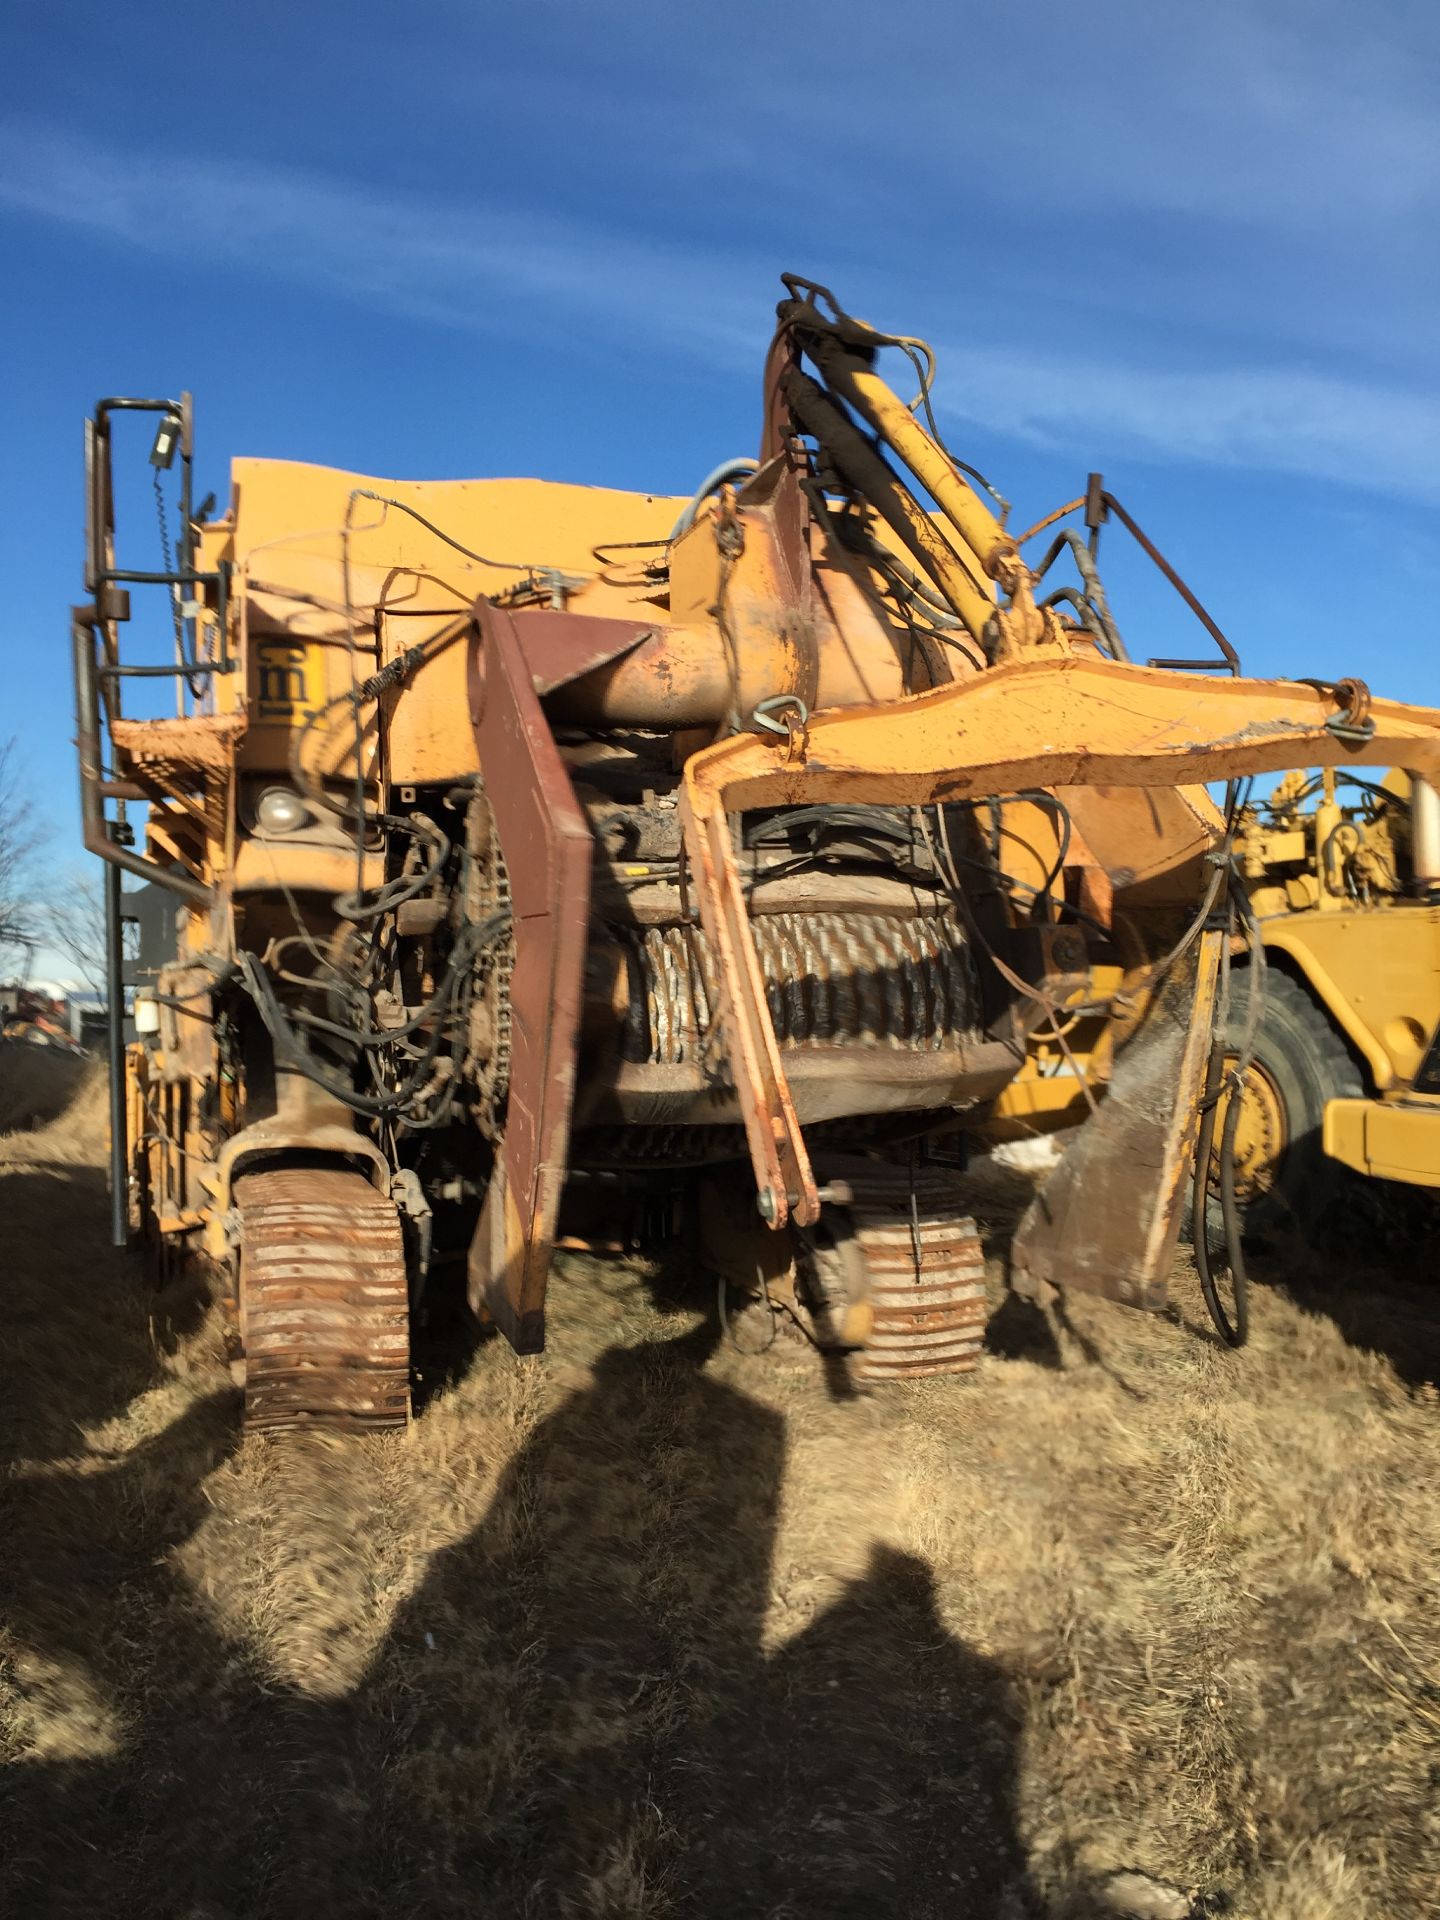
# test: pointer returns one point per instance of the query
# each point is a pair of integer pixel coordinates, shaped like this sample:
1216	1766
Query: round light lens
278	810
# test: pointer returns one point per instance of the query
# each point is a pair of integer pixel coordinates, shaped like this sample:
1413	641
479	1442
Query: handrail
84	624
1099	505
106	581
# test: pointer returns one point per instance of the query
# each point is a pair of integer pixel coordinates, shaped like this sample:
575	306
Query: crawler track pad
926	1275
324	1309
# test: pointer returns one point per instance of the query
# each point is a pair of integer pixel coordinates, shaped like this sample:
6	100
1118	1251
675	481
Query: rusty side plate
546	841
561	647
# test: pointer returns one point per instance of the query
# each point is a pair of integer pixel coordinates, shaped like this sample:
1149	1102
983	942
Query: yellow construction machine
749	852
1343	879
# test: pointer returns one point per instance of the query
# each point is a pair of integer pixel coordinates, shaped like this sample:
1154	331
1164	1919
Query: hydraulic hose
1233	1330
739	468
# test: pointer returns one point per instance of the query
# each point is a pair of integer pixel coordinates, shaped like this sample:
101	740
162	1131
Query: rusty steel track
910	1261
324	1307
926	1293
894	1276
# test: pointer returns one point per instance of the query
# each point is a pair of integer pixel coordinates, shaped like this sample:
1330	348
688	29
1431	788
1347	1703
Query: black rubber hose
1234	1331
1230	1215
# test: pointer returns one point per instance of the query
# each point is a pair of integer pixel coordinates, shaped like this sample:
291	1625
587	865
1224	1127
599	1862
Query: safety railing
198	597
1099	505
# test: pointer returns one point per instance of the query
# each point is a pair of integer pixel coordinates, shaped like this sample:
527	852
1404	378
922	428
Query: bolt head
765	1204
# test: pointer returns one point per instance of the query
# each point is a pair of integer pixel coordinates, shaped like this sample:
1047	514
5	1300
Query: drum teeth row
324	1305
831	979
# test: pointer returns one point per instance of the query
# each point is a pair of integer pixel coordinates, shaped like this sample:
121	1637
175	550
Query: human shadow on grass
575	1713
84	1524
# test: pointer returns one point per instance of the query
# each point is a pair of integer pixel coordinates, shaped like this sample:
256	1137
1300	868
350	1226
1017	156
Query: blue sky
1195	247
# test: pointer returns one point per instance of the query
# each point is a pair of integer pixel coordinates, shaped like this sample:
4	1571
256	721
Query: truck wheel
1299	1061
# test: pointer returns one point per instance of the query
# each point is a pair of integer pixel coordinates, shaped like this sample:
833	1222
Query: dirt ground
650	1627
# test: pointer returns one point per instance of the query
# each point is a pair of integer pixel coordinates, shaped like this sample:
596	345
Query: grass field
648	1627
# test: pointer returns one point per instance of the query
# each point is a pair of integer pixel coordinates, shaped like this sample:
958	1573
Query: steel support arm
1046	722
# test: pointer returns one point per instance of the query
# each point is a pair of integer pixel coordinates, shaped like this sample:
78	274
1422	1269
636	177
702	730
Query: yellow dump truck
1343	875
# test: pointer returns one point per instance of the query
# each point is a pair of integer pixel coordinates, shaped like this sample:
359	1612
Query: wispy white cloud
1274	114
471	264
504	271
1259	418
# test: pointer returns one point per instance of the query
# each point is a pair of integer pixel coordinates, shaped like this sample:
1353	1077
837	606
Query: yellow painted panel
1386	1139
301	865
1377	970
323	609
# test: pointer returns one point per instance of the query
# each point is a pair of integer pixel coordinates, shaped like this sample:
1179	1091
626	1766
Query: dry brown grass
37	1084
648	1628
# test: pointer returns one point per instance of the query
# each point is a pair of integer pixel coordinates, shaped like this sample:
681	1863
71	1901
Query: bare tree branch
20	839
75	926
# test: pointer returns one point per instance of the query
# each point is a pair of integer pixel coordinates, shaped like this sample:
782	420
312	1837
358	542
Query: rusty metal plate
546	843
1108	1218
912	1271
927	1295
561	647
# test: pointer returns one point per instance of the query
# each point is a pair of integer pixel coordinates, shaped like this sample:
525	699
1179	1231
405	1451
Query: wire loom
293	1050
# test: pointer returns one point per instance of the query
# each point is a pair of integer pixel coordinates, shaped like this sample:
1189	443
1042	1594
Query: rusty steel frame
1046	721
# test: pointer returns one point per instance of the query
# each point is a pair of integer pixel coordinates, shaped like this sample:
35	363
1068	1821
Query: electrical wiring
293	1050
480	559
1094	594
1088	617
1232	1326
353	905
881	824
1401	802
913	594
1051	1007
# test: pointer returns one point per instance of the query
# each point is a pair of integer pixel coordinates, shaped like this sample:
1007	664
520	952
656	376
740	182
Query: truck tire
1298	1063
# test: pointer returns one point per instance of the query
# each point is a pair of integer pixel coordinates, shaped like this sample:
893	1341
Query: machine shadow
575	1712
77	1348
1380	1295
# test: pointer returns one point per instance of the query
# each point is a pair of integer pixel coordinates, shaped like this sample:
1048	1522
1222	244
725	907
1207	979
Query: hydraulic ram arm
1056	721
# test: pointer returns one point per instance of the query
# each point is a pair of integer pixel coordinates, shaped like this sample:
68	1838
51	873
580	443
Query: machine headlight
281	810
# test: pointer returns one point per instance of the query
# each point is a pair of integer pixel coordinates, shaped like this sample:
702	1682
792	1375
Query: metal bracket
1052	721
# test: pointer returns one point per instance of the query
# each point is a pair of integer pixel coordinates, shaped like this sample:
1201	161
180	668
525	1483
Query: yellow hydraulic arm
1051	720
